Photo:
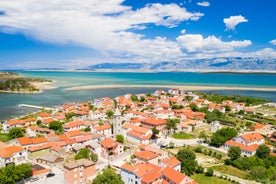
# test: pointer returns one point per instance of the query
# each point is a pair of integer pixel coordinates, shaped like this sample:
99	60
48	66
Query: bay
66	79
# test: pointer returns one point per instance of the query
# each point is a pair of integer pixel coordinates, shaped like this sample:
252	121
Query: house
74	125
147	173
162	154
104	130
248	143
136	134
247	151
12	155
93	146
111	147
250	139
79	171
158	124
171	162
147	156
262	128
49	159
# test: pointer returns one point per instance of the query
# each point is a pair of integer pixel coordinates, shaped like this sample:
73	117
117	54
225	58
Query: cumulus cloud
203	3
106	26
273	42
233	21
211	44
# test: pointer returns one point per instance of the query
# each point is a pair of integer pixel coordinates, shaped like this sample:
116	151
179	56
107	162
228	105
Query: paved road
57	179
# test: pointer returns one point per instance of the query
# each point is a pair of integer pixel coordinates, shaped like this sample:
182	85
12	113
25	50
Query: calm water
50	98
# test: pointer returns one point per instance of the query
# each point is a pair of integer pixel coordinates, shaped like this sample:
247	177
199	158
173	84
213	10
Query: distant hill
227	63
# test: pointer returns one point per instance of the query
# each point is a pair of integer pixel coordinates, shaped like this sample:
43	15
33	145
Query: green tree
16	132
94	157
87	129
234	152
188	162
69	115
55	125
194	107
108	176
120	138
83	153
109	113
155	132
210	172
227	108
258	172
263	151
171	124
221	136
134	98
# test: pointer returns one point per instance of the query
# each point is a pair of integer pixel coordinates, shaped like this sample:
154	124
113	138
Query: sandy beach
44	85
186	87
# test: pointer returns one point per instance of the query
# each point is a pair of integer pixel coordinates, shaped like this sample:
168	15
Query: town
171	136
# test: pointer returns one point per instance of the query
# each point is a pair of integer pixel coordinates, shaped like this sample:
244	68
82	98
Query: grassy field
202	179
227	169
4	137
182	135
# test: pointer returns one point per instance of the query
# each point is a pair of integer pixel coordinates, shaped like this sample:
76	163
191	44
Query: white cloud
211	44
273	42
203	3
233	21
102	25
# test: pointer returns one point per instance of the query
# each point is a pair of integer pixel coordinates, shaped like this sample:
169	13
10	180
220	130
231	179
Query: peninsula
14	83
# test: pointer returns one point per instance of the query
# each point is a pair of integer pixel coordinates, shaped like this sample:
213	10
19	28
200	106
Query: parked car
50	175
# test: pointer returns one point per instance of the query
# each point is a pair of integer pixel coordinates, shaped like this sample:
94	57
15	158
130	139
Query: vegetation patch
202	179
227	169
182	135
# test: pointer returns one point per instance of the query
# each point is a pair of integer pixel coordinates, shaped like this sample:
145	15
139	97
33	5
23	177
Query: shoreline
41	86
185	87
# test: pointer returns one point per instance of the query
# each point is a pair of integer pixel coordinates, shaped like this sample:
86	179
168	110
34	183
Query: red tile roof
103	127
10	150
252	136
109	143
24	141
171	161
146	155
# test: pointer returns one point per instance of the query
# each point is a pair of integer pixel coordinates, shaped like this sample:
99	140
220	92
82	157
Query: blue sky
75	34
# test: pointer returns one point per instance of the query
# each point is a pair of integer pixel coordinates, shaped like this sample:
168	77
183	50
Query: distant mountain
47	69
227	63
116	66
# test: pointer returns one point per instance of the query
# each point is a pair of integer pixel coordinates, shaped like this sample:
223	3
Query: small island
14	83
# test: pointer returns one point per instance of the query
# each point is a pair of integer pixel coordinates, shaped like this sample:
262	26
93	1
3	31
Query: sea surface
63	80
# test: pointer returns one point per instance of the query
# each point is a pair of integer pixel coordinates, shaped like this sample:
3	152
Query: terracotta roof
74	133
109	143
173	175
73	124
40	147
15	122
103	127
258	126
44	114
10	150
154	121
38	140
252	136
136	128
171	161
146	155
24	141
250	149
128	167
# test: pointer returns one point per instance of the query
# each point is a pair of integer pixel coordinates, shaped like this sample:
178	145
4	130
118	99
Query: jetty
34	106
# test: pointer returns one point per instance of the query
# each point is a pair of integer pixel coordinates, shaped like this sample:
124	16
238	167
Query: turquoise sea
63	80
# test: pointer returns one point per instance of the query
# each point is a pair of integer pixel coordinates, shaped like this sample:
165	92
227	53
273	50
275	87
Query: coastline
41	86
184	87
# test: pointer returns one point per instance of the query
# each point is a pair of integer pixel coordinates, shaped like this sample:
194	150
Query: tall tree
120	138
16	132
263	151
108	176
188	162
221	136
234	152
